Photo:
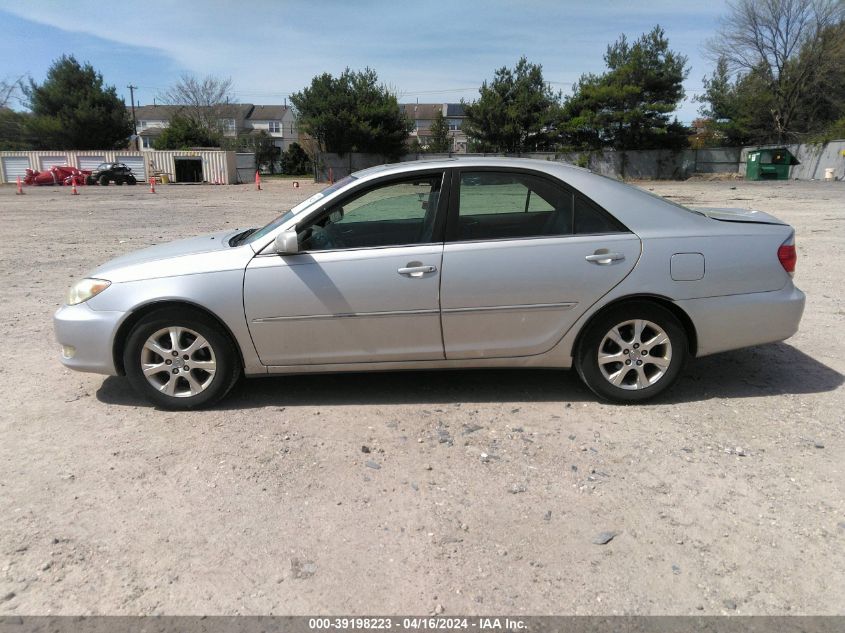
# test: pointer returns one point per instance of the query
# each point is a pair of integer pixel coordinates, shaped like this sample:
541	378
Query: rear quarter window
589	218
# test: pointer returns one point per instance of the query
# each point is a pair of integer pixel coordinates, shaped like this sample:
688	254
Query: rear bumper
87	337
735	321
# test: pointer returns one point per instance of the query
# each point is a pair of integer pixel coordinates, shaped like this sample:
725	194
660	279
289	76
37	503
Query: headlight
84	289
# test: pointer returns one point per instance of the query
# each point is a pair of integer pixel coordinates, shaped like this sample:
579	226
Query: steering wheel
324	238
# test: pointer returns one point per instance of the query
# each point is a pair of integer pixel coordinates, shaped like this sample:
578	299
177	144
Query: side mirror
287	243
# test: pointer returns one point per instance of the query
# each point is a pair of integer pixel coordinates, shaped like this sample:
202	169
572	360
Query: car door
364	286
524	257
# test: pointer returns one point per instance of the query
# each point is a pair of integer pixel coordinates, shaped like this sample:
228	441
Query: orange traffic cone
73	190
257	181
152	184
20	187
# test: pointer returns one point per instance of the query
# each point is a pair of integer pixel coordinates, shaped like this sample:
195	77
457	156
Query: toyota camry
454	263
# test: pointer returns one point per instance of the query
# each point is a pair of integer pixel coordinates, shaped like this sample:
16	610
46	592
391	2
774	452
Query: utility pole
132	90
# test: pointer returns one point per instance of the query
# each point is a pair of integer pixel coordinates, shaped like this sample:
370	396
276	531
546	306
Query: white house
422	114
237	119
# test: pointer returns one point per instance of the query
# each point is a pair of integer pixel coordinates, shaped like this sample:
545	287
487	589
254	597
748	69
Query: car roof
461	161
643	212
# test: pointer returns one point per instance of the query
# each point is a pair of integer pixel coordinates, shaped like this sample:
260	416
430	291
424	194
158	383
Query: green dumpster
769	164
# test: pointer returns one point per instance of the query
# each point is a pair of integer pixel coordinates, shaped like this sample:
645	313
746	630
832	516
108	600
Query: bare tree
782	43
10	90
204	101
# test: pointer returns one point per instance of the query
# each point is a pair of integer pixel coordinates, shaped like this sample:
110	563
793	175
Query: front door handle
603	258
416	269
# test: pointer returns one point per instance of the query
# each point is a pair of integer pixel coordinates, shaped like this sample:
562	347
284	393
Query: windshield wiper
240	237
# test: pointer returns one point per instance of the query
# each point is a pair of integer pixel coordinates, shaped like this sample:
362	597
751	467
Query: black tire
104	181
219	349
641	374
131	180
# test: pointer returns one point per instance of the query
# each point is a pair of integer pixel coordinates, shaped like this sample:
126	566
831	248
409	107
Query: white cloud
270	48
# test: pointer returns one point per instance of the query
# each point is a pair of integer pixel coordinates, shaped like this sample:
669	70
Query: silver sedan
475	262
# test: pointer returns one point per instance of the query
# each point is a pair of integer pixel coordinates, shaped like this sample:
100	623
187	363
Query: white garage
90	163
211	166
54	160
14	166
136	164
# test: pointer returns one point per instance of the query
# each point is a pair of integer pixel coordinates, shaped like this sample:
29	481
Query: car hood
738	215
147	263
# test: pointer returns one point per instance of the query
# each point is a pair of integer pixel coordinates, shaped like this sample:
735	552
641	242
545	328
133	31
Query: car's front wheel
632	352
180	359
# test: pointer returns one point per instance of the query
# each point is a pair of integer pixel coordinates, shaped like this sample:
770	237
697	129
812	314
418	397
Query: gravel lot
371	493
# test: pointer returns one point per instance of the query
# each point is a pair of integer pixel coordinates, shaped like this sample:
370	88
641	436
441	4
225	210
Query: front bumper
736	321
90	333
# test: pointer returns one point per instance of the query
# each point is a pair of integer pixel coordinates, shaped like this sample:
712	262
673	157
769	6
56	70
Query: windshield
287	215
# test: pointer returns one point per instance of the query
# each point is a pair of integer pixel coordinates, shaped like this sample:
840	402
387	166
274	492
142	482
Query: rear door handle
604	258
415	269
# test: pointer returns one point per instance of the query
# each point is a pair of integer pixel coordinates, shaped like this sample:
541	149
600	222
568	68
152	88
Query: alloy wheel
634	354
178	362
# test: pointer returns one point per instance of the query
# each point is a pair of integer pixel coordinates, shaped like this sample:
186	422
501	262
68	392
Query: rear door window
513	205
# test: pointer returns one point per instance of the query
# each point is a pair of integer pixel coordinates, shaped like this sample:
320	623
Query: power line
401	93
435	92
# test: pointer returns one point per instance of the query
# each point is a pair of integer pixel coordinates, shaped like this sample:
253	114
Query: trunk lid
739	215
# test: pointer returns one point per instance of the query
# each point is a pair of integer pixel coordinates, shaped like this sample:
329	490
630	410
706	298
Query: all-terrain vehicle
118	173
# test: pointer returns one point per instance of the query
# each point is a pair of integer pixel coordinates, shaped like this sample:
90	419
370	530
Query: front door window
396	214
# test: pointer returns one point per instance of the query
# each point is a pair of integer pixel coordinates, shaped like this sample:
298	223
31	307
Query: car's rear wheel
104	181
130	180
180	359
632	352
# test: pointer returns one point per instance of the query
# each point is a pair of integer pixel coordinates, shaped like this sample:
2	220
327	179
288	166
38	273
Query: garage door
14	166
136	164
246	167
51	161
90	163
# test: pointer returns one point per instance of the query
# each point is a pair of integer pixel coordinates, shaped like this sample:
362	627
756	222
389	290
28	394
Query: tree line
74	110
779	76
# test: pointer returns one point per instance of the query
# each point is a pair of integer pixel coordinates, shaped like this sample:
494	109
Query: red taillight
788	257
